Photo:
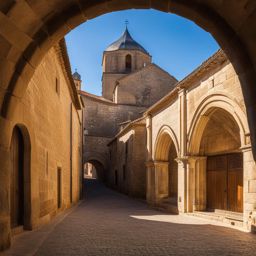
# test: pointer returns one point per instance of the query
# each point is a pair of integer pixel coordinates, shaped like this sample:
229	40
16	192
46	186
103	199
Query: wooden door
17	179
235	182
217	182
225	182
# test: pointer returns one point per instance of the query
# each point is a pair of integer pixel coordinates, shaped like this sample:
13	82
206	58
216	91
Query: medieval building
185	147
130	84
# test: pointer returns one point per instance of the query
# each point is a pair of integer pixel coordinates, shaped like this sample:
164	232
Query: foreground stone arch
26	39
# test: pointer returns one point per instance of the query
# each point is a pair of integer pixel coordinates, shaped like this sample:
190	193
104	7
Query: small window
59	188
128	63
124	172
57	86
126	150
116	178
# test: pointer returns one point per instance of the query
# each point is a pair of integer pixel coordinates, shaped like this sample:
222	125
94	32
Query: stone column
149	137
161	180
150	167
182	184
249	188
197	184
183	122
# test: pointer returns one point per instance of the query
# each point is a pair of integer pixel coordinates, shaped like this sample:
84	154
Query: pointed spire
126	42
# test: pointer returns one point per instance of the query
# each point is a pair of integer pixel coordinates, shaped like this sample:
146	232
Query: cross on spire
126	23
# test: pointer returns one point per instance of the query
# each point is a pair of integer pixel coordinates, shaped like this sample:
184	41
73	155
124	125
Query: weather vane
126	23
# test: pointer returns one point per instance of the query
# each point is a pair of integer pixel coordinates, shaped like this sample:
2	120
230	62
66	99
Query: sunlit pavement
109	223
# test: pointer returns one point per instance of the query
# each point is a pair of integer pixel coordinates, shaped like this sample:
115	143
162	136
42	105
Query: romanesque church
130	84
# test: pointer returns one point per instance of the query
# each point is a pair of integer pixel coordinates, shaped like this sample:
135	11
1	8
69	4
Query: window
59	188
128	63
124	172
57	86
116	178
126	150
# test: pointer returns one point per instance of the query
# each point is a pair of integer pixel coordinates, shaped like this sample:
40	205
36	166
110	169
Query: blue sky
176	44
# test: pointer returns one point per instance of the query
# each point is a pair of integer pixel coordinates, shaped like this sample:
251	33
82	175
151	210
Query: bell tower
122	57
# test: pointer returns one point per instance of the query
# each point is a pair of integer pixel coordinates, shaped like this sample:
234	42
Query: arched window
128	63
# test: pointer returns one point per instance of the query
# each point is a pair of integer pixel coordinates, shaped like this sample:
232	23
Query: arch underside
25	42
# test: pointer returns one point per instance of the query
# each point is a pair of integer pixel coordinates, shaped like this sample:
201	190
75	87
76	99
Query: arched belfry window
128	63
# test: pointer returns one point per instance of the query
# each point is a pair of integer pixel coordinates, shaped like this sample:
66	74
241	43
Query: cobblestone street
109	223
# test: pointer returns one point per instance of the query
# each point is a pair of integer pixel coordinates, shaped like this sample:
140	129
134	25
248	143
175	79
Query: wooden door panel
235	182
216	182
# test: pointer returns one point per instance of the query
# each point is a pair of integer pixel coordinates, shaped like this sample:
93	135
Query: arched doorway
166	168
20	180
219	161
17	179
221	144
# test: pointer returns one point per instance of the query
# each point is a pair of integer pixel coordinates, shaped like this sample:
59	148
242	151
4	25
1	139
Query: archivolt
205	109
165	137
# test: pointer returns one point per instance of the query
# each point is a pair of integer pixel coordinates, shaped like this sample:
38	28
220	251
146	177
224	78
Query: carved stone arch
162	144
205	109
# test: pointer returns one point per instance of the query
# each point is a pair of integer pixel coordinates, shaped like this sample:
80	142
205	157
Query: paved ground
108	223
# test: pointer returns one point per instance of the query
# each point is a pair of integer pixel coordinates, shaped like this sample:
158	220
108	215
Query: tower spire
126	23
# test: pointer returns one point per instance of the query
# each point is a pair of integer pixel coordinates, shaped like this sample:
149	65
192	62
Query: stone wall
52	142
204	115
114	68
127	171
144	87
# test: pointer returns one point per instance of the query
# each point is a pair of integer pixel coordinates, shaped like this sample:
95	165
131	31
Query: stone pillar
249	188
149	137
150	167
197	184
161	180
183	122
5	167
182	184
5	231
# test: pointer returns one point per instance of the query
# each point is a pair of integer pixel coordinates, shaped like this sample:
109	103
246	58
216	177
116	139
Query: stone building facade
127	169
42	174
198	156
130	84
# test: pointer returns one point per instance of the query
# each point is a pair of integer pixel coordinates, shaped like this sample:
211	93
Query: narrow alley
109	223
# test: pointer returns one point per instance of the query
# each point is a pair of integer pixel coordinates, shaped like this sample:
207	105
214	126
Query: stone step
233	219
166	207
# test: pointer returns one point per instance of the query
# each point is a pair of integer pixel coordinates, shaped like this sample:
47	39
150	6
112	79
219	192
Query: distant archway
94	169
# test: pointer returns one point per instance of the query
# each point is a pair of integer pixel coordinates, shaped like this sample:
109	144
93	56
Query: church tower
122	57
77	80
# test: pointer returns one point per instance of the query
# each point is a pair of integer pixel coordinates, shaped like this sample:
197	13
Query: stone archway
166	169
97	169
24	42
218	149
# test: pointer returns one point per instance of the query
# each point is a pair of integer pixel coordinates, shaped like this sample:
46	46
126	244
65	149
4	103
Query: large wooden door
216	182
17	179
225	182
235	183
